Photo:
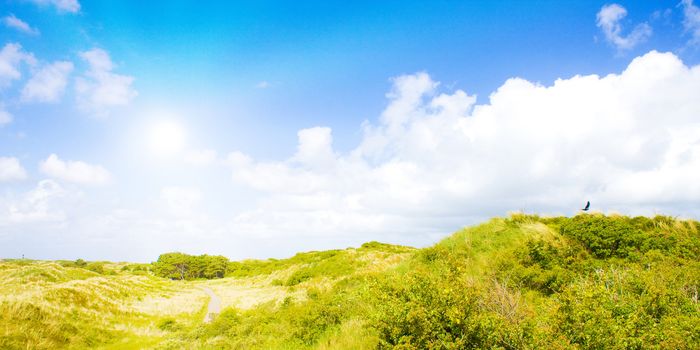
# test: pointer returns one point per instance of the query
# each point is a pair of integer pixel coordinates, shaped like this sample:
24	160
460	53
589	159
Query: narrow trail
214	307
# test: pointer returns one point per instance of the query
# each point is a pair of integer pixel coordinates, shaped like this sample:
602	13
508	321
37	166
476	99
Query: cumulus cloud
74	171
691	21
627	142
15	23
72	6
11	169
11	57
433	160
608	20
48	83
100	88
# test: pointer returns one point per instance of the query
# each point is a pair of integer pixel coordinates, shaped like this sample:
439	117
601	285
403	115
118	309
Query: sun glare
166	138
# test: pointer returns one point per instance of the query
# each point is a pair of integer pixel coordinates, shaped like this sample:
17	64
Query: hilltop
524	281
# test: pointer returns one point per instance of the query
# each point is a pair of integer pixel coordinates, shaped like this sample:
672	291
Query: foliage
329	263
181	266
619	236
523	282
591	281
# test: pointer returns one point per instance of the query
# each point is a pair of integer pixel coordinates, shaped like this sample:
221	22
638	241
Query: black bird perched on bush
588	206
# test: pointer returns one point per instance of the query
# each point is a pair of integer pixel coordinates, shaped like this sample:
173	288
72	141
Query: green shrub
421	310
96	267
604	236
169	324
299	276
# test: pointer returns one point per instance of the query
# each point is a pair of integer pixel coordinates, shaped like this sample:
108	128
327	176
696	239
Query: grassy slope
527	282
521	282
46	305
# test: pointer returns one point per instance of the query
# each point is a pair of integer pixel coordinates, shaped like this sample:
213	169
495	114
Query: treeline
180	266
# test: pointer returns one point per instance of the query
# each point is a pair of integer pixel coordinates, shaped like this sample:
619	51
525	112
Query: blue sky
257	129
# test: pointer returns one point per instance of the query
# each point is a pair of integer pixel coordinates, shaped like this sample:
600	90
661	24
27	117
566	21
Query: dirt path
214	307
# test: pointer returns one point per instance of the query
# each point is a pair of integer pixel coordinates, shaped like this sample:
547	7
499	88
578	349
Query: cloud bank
435	159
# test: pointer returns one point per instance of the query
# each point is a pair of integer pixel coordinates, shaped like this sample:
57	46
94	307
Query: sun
166	137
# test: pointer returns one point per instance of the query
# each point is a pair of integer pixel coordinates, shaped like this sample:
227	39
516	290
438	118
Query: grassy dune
45	305
522	282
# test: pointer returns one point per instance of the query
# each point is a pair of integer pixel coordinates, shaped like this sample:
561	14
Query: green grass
521	282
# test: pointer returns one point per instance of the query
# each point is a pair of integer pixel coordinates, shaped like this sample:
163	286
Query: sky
257	129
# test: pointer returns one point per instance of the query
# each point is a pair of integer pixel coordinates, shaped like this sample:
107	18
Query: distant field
522	282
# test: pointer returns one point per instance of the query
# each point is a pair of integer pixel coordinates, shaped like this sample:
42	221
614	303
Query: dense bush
604	236
621	236
588	282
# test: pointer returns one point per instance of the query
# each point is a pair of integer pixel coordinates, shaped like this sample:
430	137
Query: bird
588	206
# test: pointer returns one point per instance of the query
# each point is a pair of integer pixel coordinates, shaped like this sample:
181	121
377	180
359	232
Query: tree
172	265
216	267
182	266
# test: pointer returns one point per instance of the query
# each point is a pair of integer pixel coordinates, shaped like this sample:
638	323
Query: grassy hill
588	282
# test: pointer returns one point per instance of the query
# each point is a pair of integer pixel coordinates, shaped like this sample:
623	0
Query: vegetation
54	305
523	282
179	266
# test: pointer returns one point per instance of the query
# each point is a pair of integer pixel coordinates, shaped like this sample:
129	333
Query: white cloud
11	56
201	157
100	88
13	22
72	6
627	142
11	169
34	206
435	159
74	171
608	20
315	148
691	21
48	83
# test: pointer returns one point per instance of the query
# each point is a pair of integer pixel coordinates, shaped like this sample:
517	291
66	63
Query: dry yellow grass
246	293
45	305
177	298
